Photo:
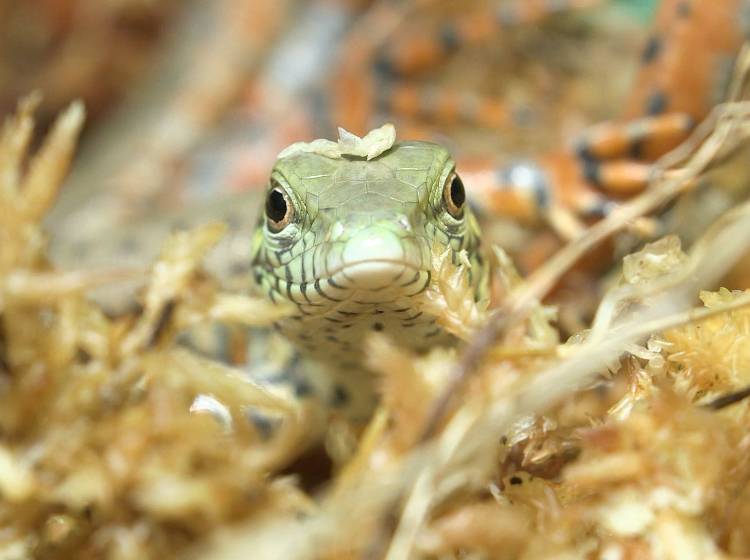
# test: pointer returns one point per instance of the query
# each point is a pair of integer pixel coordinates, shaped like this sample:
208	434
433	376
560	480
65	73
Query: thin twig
728	399
519	303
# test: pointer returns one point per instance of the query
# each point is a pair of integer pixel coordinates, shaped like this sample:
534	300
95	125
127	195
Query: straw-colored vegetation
521	447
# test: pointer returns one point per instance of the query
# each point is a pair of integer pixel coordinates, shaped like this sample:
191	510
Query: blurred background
189	102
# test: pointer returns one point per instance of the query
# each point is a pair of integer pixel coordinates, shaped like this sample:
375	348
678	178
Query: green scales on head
348	236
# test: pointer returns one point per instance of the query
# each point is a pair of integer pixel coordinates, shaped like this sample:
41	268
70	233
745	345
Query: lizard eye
454	196
279	209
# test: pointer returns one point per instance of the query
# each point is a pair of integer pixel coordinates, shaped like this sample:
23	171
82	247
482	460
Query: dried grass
100	454
520	447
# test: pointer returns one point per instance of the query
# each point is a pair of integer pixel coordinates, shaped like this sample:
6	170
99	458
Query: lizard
348	236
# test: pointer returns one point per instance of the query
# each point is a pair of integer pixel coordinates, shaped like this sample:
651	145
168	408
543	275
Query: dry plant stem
510	353
691	316
415	509
606	313
16	136
374	431
471	437
732	120
545	388
38	287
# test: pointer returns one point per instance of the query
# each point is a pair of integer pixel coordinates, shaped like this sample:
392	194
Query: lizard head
349	239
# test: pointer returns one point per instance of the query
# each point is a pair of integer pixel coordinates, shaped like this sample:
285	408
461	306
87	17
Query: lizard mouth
377	259
371	267
375	274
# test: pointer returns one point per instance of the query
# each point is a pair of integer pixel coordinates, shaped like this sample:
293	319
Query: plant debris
116	441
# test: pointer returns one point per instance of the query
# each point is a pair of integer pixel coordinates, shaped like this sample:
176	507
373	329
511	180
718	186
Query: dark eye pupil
276	205
458	195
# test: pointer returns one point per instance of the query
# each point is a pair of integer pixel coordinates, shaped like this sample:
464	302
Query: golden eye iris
454	196
279	209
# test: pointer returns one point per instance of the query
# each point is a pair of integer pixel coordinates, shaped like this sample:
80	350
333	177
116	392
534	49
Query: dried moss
105	452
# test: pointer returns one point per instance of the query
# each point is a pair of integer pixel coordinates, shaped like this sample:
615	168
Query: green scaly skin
354	254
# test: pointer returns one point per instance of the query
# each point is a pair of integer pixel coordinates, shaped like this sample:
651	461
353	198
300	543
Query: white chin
374	275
